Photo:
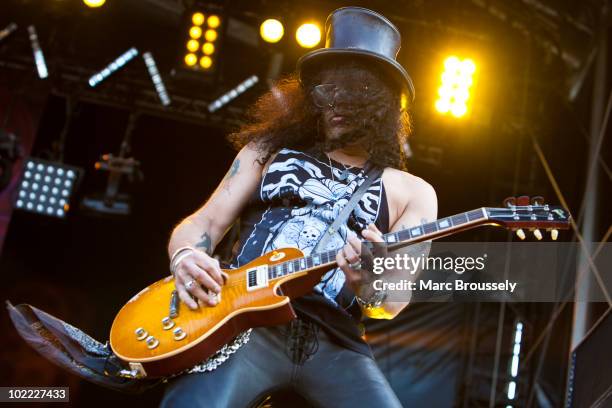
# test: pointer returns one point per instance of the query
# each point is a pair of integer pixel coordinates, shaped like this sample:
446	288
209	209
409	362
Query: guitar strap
372	173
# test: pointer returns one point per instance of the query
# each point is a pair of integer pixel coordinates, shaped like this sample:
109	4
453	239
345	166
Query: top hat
361	33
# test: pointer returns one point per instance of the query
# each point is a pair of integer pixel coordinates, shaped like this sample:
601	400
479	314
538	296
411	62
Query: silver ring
355	265
190	284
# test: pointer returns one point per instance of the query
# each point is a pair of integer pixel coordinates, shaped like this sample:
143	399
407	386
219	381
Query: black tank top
297	200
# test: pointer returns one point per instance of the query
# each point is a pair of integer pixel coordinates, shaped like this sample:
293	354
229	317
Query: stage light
206	62
214	21
193	45
158	83
46	187
233	93
39	58
191	59
195	32
210	35
8	30
208	48
197	19
202	54
454	90
271	30
308	35
514	362
113	66
94	3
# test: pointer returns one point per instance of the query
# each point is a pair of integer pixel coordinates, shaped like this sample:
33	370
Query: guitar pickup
257	278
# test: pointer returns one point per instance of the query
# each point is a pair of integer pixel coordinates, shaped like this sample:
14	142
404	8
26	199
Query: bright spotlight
197	19
454	90
191	59
206	62
193	45
195	32
271	30
113	66
210	35
208	48
214	21
94	3
308	35
39	58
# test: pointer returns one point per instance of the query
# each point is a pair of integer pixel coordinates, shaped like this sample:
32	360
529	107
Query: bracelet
178	256
376	300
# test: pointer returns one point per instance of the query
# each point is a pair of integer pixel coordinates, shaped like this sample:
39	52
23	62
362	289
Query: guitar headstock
530	213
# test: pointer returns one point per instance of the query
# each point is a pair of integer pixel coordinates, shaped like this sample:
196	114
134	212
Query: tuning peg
509	202
537	234
537	200
520	233
554	234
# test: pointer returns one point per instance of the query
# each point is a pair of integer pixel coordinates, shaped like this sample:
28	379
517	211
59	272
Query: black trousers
299	356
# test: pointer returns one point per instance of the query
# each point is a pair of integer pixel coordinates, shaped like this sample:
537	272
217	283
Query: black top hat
359	32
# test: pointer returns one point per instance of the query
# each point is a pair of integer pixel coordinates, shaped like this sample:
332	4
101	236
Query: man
310	145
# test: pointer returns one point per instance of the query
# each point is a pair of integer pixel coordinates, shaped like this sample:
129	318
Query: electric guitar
157	336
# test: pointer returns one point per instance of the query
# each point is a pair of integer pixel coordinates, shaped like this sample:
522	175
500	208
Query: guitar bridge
257	278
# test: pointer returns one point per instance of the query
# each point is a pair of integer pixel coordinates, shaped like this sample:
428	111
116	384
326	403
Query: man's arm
204	228
420	205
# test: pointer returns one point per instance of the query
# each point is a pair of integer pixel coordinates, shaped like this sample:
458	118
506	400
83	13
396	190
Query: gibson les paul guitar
158	337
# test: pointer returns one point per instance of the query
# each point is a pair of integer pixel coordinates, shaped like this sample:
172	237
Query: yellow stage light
94	3
271	30
214	21
193	45
206	62
308	35
197	19
208	48
454	91
210	35
195	32
191	59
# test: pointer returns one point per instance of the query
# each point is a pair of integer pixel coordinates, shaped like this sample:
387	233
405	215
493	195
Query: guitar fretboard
414	234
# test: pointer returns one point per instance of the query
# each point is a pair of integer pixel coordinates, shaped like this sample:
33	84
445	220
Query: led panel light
46	187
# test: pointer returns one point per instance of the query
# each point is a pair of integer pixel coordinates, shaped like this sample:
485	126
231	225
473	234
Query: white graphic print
301	226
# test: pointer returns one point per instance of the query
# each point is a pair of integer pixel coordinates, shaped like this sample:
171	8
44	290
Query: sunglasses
325	95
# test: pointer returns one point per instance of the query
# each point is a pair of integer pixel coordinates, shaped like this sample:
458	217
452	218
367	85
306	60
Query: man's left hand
350	262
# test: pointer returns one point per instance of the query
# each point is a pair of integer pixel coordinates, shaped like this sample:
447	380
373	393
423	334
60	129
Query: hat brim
314	59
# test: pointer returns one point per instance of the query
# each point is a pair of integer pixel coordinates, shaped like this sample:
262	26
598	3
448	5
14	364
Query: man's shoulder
407	183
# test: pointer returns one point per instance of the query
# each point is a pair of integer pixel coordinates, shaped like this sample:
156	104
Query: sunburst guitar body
145	335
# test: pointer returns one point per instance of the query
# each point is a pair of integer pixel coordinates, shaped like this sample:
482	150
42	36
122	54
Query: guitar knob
179	334
152	342
520	233
537	234
167	323
140	333
554	234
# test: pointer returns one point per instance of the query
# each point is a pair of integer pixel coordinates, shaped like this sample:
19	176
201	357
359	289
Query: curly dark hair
286	117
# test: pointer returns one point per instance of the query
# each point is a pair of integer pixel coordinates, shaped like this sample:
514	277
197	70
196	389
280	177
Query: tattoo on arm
205	243
232	171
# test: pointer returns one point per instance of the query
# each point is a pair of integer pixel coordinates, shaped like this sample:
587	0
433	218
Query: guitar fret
403	235
475	215
444	223
416	231
430	227
459	219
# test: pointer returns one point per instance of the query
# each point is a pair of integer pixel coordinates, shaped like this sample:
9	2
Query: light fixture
197	18
233	93
202	43
271	30
8	30
454	90
94	3
308	35
39	58
158	83
113	66
46	187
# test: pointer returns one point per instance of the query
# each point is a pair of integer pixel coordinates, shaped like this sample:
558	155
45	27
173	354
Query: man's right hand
206	275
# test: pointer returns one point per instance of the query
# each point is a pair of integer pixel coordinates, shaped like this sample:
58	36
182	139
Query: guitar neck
394	240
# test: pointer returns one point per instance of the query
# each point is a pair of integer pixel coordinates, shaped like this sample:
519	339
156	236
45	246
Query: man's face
338	118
